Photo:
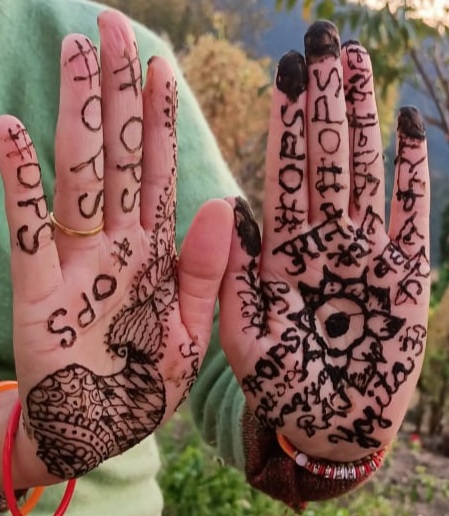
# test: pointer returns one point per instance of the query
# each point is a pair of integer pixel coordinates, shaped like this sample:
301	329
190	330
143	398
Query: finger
202	263
34	259
242	315
410	206
365	142
286	190
121	93
78	200
327	128
160	147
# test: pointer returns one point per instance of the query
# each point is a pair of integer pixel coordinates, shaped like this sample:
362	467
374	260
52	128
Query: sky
430	10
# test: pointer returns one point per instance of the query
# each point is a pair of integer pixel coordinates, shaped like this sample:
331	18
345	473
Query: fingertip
411	123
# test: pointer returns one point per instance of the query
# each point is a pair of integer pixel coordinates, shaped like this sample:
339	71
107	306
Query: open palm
328	335
110	328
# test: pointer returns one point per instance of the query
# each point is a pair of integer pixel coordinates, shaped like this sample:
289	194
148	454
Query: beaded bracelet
333	470
8	487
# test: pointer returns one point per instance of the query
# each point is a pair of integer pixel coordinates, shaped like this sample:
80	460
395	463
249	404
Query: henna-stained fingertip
292	76
411	123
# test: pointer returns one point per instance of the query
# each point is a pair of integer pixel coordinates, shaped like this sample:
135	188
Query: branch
439	68
430	88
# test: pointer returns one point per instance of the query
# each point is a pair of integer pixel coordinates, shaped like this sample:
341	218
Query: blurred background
228	50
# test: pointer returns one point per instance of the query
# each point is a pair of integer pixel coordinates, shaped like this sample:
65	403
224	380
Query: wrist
27	469
321	448
357	470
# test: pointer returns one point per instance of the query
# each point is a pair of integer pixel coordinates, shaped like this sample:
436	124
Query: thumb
202	263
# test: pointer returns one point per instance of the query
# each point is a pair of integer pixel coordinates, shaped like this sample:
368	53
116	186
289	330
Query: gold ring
75	232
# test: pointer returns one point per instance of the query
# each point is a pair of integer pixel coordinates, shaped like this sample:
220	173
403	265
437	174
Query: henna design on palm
334	336
104	416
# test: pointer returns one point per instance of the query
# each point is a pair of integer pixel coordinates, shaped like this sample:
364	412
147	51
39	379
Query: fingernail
247	227
292	76
411	123
321	41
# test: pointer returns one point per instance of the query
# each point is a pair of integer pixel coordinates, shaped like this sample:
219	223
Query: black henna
123	252
350	42
94	209
280	380
411	123
94	99
85	49
22	143
33	246
87	315
292	76
29	175
69	332
288	215
79	418
135	77
247	228
321	40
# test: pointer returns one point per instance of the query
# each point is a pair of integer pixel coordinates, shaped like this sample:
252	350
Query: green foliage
183	21
195	483
434	380
444	235
234	92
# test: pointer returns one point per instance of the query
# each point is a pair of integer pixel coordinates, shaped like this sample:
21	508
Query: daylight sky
431	10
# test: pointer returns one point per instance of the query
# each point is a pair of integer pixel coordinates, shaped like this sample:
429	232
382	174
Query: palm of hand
335	305
109	330
113	395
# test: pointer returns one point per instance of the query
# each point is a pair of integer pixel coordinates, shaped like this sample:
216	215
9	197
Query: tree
182	21
434	380
234	93
403	46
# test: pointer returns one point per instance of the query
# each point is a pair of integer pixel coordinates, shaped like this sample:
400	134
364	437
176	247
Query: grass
196	483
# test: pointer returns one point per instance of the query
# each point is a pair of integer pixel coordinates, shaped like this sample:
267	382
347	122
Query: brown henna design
123	253
93	103
135	77
39	204
87	315
29	176
80	418
86	51
70	332
97	417
24	146
91	163
97	205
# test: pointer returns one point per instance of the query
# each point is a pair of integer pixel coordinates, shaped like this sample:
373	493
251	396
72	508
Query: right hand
109	330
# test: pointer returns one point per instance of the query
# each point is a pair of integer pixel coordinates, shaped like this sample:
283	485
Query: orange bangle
356	470
37	492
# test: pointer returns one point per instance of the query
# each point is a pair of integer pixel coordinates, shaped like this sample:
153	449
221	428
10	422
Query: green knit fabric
31	32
